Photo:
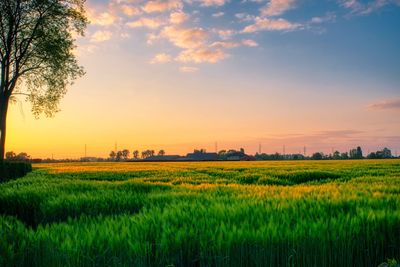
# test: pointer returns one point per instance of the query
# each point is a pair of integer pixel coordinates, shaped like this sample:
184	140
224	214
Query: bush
13	170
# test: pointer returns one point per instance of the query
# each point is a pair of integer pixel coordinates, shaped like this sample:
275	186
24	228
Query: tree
317	156
161	152
135	154
23	157
36	54
336	155
112	155
356	153
125	154
10	155
118	156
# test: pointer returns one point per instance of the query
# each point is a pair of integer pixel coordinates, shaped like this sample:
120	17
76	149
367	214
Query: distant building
201	157
89	159
163	158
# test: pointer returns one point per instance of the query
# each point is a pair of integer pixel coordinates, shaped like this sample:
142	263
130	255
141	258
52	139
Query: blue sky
179	74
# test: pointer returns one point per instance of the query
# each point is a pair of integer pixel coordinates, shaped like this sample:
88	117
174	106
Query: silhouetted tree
344	155
161	153
36	43
112	155
336	155
10	155
125	154
317	156
118	156
356	153
135	154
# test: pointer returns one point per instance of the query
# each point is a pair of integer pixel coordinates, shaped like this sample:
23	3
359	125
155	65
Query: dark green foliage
13	170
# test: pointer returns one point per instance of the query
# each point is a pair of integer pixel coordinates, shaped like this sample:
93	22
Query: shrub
13	170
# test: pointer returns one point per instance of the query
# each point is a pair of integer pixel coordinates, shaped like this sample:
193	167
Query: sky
184	74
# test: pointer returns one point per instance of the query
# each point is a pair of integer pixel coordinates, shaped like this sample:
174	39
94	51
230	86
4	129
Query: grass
306	213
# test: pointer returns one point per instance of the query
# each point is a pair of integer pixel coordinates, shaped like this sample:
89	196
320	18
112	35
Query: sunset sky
184	74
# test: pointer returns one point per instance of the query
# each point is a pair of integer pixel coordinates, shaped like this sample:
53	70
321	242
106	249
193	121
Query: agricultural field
288	213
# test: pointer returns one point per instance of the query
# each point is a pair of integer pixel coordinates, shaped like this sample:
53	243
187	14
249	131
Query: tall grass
203	214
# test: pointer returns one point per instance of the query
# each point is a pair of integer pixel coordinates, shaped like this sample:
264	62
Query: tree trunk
3	125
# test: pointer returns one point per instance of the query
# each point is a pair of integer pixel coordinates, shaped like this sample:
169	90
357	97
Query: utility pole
305	151
216	147
259	148
85	151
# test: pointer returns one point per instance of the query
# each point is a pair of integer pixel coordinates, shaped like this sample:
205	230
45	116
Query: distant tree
135	154
356	153
36	53
10	155
161	153
317	156
112	155
336	155
23	157
372	155
199	151
147	153
119	156
242	150
344	155
125	154
222	155
387	153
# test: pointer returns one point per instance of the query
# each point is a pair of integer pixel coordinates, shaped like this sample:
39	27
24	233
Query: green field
306	213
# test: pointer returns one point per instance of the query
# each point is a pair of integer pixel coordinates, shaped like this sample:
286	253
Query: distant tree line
199	154
125	154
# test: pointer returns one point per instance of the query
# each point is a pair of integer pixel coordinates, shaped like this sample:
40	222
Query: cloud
329	17
393	104
264	24
202	55
225	45
277	7
208	3
218	14
102	19
359	8
131	10
162	5
249	43
161	58
224	34
178	17
185	37
187	69
146	22
101	36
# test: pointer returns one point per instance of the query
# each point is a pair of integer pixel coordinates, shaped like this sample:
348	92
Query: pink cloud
393	104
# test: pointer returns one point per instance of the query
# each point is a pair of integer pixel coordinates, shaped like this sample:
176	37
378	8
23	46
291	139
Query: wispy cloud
178	17
162	5
187	69
212	2
277	7
265	24
101	36
202	55
362	8
102	19
146	22
161	58
392	104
